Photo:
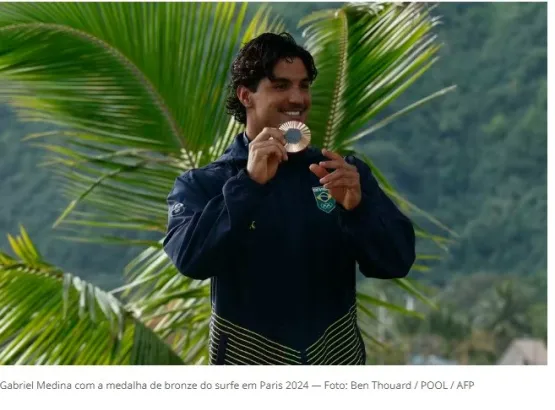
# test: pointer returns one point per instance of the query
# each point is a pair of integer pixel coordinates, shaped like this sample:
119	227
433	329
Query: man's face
285	98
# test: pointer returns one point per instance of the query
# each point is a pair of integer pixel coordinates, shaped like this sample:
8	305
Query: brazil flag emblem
323	198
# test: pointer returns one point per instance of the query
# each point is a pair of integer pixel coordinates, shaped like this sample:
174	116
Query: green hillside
477	158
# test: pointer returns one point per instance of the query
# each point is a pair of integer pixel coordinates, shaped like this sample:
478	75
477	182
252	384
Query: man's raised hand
343	183
266	152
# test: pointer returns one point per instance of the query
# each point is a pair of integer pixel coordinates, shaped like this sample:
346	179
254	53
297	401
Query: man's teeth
293	113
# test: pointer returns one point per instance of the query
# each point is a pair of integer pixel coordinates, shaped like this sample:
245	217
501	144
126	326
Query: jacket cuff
353	219
244	190
247	182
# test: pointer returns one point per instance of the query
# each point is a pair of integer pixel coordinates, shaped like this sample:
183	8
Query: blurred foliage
477	159
479	316
81	325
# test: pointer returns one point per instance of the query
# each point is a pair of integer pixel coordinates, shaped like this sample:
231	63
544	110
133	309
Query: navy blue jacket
282	257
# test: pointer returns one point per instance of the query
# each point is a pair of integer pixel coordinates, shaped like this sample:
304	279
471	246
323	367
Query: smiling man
280	234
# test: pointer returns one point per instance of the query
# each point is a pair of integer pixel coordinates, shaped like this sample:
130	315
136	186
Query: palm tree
136	91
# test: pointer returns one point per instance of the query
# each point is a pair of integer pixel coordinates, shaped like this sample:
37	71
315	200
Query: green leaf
390	306
54	318
90	77
413	291
367	55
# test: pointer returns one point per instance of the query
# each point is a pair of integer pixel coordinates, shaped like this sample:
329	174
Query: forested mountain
475	158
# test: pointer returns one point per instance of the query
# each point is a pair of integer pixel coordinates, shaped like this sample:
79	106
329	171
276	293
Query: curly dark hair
256	60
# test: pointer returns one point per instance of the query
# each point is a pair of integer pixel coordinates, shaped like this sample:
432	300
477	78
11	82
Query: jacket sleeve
203	230
382	237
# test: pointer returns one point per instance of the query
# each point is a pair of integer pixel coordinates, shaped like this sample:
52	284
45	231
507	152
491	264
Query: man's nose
296	96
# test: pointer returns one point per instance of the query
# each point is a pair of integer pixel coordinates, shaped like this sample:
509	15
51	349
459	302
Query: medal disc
297	135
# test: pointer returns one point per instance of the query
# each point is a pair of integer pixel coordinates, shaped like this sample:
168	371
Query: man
279	234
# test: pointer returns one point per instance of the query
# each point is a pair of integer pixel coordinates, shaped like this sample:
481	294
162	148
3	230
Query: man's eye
280	86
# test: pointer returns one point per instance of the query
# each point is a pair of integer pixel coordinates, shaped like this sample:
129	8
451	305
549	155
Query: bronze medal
297	136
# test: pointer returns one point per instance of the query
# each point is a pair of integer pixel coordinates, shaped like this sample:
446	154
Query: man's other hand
343	183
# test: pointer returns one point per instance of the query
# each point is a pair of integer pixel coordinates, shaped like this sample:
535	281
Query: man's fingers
332	155
335	164
268	133
272	148
271	133
345	182
257	146
339	173
337	161
339	164
318	170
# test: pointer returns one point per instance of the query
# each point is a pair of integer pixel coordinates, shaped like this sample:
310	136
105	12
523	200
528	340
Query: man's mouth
293	113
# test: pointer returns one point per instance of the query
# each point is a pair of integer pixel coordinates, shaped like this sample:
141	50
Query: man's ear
244	95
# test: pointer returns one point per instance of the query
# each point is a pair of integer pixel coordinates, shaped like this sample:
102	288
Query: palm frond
51	317
157	53
135	106
176	307
367	55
